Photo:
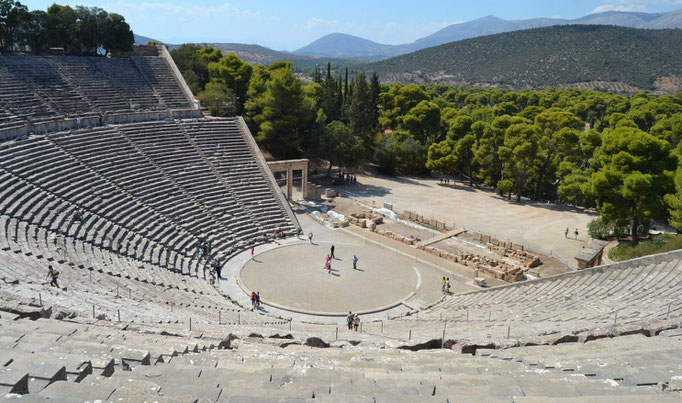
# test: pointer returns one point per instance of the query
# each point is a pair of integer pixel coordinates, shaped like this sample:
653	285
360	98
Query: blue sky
291	24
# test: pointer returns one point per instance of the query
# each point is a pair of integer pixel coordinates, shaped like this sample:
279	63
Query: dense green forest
543	57
587	148
78	31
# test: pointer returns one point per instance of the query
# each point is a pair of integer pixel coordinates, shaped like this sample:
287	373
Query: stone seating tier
35	89
72	362
135	197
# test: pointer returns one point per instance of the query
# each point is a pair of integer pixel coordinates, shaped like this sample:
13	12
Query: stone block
331	193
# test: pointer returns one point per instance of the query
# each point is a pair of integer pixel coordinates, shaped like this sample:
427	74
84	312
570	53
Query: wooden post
118	314
219	319
190	323
667	315
382	327
409	337
337	333
442	343
40	298
489	313
93	311
508	331
239	318
117	290
91	276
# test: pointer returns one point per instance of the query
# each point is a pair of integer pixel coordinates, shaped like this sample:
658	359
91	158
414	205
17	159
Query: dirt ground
538	226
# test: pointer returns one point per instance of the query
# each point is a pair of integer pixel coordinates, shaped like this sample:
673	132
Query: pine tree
375	91
360	112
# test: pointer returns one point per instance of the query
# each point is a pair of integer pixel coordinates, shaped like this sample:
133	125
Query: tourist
332	254
327	263
258	300
356	322
209	247
310	237
355	262
198	252
167	254
447	285
212	274
566	232
253	300
443	283
218	269
253	250
576	233
349	320
55	276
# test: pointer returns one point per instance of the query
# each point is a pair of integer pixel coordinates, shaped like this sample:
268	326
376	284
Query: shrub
598	229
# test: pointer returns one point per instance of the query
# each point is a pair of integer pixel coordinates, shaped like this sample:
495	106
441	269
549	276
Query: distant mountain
142	40
359	48
669	20
346	47
586	56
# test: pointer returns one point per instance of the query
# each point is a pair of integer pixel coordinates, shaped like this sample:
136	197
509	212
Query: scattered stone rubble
526	258
366	219
493	267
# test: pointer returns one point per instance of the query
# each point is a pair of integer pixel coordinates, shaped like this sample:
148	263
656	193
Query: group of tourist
76	215
330	257
255	300
353	321
350	179
575	233
444	181
445	285
203	249
344	178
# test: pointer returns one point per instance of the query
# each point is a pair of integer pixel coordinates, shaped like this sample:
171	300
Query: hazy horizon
294	24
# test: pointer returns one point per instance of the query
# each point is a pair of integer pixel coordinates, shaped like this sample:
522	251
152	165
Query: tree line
619	154
80	31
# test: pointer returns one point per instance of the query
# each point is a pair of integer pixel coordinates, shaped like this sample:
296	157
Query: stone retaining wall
420	219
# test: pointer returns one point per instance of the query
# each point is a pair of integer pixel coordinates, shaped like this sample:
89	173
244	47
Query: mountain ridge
586	56
331	45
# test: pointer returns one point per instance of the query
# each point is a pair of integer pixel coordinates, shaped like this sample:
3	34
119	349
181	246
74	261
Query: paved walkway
537	225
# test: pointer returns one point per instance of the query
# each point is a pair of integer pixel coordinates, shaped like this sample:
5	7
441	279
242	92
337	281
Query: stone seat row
76	85
172	368
23	164
639	291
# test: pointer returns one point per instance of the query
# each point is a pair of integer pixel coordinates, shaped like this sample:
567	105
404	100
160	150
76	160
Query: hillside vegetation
544	57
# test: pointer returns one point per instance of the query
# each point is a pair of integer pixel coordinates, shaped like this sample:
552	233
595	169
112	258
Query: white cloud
611	7
633	5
